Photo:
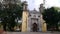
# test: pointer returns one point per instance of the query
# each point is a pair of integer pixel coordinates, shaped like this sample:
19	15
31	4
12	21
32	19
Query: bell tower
24	17
41	10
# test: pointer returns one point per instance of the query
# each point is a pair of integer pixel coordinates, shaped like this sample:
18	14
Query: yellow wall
24	21
44	27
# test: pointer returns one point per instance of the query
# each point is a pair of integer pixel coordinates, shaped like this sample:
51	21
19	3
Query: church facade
32	21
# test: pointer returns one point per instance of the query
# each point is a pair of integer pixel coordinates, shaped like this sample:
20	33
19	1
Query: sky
36	3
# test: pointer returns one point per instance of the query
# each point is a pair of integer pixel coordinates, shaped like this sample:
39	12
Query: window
38	16
29	15
34	15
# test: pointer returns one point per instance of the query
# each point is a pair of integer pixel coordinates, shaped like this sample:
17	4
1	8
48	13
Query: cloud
51	3
37	4
48	3
34	4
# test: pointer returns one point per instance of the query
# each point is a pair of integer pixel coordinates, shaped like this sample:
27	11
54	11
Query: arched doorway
34	27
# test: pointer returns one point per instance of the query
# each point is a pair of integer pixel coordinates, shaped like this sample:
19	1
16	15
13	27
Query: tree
9	13
51	16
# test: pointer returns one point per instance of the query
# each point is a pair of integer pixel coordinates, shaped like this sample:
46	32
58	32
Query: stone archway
34	27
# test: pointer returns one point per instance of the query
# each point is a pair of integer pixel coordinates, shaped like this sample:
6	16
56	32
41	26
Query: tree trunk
4	27
57	27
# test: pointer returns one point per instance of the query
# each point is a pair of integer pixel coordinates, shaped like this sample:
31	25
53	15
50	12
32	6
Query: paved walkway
33	32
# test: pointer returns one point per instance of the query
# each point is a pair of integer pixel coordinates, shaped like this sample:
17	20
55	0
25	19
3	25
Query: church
32	21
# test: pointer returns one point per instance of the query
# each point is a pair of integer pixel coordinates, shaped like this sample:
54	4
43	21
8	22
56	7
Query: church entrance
34	28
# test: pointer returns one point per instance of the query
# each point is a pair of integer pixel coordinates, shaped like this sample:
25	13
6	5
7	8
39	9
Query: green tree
9	13
51	16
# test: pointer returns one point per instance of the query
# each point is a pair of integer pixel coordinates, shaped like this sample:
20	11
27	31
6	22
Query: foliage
8	15
51	16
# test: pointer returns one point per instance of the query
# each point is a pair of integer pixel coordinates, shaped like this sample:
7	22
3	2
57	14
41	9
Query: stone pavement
32	33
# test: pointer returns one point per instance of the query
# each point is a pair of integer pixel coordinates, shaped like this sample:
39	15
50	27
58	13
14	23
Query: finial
25	5
44	2
41	4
